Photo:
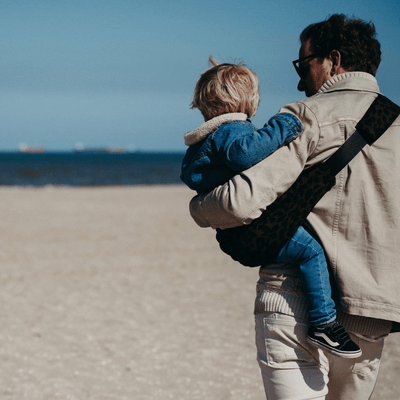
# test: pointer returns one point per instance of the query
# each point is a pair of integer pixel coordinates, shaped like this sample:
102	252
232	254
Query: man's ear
336	59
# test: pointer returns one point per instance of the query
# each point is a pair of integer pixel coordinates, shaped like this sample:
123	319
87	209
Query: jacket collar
210	126
350	81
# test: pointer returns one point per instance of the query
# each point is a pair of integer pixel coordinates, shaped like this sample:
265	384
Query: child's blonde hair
226	88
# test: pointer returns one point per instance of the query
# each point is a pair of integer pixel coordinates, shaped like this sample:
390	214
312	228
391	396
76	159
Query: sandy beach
115	293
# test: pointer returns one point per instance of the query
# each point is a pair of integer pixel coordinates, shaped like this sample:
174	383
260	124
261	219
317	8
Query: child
226	144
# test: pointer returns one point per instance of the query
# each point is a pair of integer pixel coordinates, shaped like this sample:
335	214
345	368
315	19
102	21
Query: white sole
337	353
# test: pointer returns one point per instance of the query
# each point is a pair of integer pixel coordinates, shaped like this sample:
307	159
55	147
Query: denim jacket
230	143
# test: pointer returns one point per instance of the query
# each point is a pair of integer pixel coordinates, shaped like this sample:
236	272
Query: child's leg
302	248
324	332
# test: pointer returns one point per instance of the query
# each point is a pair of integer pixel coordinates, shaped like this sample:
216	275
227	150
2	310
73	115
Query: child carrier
260	242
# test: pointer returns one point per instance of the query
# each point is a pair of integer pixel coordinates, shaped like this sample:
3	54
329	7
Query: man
357	221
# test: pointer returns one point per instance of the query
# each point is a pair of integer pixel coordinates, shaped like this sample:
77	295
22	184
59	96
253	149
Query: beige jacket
358	221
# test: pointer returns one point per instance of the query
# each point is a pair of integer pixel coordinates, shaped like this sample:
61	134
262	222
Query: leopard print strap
381	114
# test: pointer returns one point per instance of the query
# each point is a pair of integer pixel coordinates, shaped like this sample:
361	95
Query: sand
115	293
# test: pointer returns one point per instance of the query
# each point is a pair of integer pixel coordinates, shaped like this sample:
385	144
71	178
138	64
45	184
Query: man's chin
309	93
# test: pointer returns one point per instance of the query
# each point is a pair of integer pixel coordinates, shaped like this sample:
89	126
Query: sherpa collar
210	126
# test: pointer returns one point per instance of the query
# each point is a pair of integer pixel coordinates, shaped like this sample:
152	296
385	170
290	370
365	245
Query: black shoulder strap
378	118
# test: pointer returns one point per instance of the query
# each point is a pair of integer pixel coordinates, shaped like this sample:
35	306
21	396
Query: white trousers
293	369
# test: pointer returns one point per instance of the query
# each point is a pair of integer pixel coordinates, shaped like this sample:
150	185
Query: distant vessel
23	148
79	147
116	150
101	150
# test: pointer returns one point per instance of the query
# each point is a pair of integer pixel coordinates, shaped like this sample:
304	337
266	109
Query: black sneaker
334	339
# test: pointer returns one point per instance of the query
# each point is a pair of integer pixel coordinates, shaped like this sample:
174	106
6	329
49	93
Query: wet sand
115	293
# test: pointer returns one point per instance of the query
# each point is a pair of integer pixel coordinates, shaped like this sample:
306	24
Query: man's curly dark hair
354	38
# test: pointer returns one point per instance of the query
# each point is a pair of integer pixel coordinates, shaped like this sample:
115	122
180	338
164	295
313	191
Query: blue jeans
303	249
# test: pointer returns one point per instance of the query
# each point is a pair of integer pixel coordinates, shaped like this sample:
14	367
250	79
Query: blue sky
121	73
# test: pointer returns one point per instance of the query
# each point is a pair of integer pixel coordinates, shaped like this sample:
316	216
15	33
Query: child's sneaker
333	338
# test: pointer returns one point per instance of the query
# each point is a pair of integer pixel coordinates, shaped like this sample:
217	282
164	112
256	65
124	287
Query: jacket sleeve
252	146
244	197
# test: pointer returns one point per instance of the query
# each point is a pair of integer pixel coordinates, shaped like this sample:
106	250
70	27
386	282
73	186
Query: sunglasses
302	71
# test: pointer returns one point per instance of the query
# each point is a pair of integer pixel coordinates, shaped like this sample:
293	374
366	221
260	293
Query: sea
89	168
